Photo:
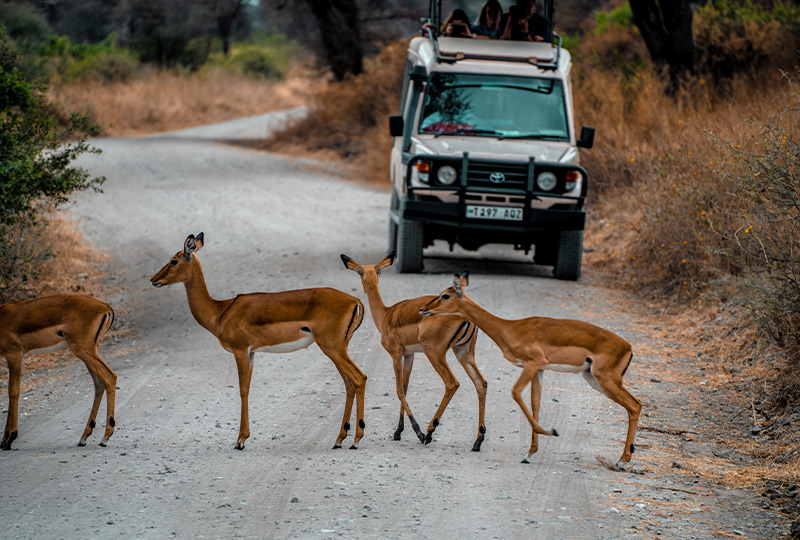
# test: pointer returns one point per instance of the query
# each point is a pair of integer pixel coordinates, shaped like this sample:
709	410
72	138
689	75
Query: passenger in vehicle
489	20
537	24
457	25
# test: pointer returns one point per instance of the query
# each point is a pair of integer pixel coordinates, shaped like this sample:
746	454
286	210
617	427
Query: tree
225	13
341	38
666	28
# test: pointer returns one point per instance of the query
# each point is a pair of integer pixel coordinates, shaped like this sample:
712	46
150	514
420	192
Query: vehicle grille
480	174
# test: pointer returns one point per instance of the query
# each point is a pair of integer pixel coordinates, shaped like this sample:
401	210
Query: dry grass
169	100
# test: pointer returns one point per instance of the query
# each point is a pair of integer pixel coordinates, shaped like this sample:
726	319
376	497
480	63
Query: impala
405	332
540	343
47	324
279	322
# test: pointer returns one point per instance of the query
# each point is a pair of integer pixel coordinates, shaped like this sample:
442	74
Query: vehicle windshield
494	106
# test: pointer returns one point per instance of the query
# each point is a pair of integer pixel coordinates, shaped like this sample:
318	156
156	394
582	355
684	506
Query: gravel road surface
273	223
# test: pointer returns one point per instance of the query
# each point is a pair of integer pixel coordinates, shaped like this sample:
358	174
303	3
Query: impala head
368	271
448	302
176	270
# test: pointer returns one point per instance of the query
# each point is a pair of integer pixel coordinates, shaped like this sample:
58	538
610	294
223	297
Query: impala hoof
354	447
336	446
82	443
526	460
103	444
396	436
621	465
553	432
239	446
428	437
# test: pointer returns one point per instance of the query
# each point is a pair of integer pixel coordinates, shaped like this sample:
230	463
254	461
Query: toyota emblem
497	177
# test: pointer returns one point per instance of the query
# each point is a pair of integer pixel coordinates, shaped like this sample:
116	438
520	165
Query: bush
767	175
267	57
34	157
742	37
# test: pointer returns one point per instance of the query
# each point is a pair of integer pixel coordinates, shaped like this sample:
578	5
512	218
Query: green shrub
267	57
35	158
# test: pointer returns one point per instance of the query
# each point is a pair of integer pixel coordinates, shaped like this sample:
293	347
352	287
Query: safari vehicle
484	150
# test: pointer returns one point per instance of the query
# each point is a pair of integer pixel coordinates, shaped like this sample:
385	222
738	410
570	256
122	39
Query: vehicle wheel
393	225
570	252
409	247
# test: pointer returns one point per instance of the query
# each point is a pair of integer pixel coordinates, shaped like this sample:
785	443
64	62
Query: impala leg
439	363
408	363
14	362
244	365
529	372
536	400
466	358
105	381
401	394
612	387
355	382
99	390
360	382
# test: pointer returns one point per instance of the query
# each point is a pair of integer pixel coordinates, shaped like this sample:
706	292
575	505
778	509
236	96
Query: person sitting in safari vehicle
457	25
523	23
488	23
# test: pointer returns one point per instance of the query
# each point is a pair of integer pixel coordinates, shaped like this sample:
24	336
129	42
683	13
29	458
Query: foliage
768	241
267	57
35	157
104	61
742	37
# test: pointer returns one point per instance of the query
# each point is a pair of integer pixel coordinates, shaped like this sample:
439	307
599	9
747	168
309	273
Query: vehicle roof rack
451	50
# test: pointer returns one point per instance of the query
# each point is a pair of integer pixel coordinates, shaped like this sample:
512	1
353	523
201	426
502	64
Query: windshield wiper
535	136
468	132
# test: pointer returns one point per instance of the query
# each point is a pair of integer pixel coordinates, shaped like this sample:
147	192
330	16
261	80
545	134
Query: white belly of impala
289	346
566	368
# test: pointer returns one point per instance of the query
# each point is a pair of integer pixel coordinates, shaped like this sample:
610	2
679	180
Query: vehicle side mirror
396	125
587	137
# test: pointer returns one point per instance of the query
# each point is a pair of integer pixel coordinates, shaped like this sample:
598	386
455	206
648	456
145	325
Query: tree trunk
666	28
340	34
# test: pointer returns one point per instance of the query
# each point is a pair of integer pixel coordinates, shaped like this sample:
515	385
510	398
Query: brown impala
405	332
539	343
50	323
279	322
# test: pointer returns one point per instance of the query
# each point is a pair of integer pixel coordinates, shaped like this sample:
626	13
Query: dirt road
274	223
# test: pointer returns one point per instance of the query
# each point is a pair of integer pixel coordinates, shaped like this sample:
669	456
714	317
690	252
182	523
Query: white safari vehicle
485	151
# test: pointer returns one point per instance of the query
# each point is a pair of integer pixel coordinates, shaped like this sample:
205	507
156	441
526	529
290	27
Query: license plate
494	212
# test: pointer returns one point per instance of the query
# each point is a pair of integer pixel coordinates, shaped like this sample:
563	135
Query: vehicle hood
491	148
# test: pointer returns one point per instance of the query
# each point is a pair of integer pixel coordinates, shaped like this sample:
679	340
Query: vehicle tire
409	247
393	225
570	252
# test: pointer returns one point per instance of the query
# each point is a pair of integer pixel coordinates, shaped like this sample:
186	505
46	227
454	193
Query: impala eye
445	297
173	262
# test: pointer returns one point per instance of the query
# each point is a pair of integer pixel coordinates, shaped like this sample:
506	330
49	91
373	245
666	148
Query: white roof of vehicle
483	55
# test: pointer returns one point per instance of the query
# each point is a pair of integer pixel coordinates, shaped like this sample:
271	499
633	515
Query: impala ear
460	282
190	245
385	263
351	264
199	240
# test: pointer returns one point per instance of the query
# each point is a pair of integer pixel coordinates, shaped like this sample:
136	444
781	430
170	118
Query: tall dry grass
169	100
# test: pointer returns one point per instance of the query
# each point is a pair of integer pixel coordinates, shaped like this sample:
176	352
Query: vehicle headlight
547	181
446	175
